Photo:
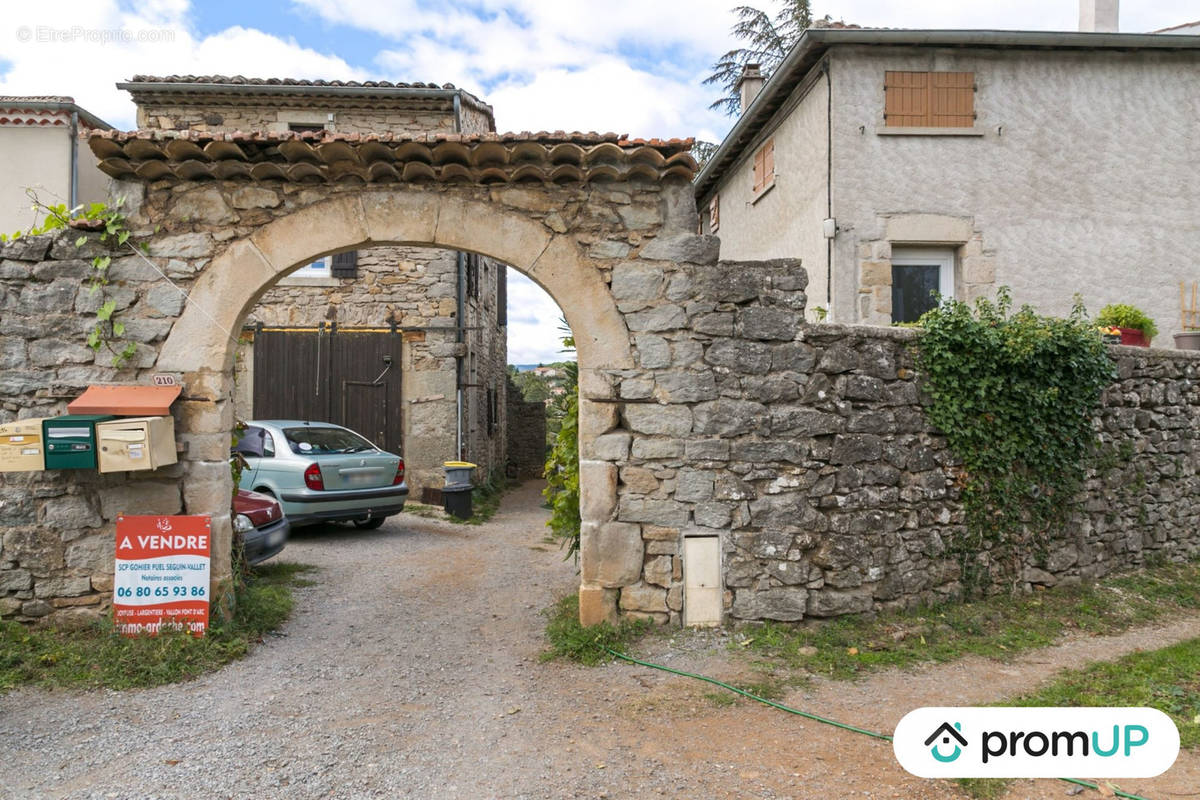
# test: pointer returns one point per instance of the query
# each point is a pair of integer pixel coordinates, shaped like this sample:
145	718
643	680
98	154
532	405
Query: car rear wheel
369	524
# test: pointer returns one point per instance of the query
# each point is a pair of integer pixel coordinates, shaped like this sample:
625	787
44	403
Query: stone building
892	162
448	306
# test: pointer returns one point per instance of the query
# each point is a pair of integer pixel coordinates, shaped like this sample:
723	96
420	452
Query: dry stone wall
806	449
525	424
707	406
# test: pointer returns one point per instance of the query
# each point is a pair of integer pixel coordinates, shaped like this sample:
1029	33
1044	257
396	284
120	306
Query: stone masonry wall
526	432
211	113
707	406
806	449
57	529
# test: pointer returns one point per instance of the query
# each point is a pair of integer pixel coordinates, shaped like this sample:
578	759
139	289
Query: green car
321	472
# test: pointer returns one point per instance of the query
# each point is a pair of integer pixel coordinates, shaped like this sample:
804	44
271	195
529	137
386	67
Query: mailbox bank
71	440
136	443
22	447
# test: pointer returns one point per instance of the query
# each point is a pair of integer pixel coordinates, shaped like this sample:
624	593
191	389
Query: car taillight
312	477
399	479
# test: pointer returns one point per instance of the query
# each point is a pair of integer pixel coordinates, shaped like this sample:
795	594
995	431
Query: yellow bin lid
459	464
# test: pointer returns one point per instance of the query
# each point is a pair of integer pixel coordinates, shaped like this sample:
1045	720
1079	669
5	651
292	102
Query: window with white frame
918	275
316	269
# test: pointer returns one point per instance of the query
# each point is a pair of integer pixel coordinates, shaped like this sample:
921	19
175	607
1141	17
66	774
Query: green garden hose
815	717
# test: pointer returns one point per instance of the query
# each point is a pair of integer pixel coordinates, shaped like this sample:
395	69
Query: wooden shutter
344	265
501	296
714	213
929	99
764	166
953	99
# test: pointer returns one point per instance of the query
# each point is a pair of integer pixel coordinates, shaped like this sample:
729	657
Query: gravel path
411	670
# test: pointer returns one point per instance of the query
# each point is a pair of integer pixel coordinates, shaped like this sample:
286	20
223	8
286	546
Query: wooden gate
347	376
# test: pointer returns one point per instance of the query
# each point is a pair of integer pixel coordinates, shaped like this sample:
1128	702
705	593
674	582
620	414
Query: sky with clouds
629	66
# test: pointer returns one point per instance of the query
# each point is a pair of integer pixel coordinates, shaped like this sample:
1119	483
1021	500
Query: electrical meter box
135	443
71	440
21	446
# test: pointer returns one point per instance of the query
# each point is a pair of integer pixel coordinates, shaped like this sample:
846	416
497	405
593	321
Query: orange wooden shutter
929	99
953	99
906	99
768	163
758	165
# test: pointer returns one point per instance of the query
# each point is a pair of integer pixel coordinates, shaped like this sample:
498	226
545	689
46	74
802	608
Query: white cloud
73	49
533	321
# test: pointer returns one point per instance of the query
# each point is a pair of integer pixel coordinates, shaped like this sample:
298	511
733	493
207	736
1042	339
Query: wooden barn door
346	376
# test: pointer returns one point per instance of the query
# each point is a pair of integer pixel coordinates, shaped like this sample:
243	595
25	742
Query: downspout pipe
73	193
828	189
459	321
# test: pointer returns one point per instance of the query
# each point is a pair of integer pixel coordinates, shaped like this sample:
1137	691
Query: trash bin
456	496
457	472
457	500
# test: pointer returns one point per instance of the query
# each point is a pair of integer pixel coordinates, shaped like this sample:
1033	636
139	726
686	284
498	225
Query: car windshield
313	441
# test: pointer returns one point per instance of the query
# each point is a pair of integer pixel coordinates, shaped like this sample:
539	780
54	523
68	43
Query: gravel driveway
411	670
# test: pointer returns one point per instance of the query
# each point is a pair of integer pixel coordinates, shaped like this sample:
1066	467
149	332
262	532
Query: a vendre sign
162	574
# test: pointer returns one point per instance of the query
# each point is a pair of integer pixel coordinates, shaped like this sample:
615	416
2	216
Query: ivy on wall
108	330
1015	395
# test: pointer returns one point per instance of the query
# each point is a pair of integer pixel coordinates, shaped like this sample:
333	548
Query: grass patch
1166	679
984	788
572	642
94	656
999	627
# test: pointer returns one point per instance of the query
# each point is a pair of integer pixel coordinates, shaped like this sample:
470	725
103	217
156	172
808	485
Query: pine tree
767	40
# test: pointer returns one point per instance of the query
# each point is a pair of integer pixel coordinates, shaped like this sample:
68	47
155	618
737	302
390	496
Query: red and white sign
162	574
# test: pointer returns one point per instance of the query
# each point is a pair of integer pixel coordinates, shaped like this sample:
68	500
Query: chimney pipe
750	83
1099	16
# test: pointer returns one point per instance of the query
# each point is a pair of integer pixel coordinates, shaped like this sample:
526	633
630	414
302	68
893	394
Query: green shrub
1015	396
1127	316
562	465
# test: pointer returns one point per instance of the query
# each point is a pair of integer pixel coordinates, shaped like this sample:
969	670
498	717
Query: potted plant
1136	328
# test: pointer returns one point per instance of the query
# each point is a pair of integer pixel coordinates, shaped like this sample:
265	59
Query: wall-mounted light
829	228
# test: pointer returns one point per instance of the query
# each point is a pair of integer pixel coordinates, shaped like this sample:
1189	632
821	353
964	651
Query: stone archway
599	222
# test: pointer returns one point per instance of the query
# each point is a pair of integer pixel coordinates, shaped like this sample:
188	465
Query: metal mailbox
71	440
136	443
21	446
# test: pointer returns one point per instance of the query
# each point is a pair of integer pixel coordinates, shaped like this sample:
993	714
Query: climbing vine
1015	395
108	330
562	465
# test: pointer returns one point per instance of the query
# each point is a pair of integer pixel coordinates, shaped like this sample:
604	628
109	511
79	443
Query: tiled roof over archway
315	157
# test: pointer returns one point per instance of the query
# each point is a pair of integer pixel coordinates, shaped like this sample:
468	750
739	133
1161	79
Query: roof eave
88	117
814	42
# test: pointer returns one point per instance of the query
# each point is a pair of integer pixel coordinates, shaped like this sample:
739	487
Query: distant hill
531	367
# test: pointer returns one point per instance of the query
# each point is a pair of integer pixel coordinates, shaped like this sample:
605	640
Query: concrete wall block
610	553
612	447
596	605
644	598
140	496
597	490
636	285
669	420
70	513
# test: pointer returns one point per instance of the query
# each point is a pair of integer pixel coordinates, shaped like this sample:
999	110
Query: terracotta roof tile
241	80
324	156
